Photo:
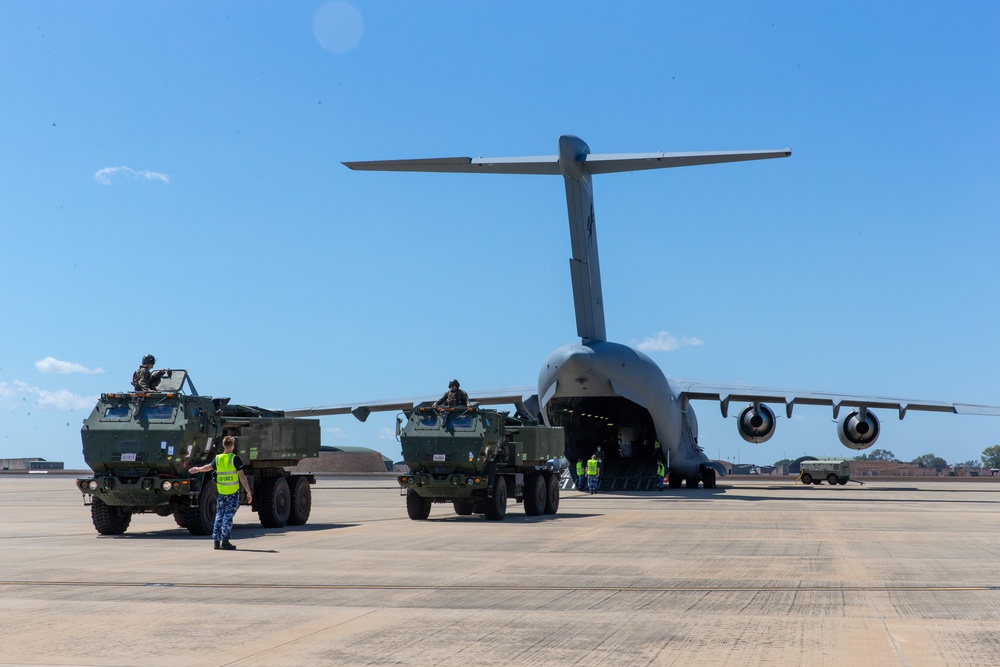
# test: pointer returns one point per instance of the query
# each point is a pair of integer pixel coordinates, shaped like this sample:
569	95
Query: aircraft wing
726	393
523	398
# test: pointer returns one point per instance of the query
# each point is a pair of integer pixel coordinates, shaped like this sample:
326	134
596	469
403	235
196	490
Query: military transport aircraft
608	394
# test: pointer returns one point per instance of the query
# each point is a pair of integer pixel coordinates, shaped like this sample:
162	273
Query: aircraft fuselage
610	395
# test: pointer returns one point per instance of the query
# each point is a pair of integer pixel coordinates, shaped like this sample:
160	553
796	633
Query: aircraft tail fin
575	163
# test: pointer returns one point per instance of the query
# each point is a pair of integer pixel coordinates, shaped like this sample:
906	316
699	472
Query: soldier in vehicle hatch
146	379
454	396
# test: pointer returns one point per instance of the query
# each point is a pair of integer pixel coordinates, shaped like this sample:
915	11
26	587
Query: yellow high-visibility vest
592	467
227	480
579	468
660	469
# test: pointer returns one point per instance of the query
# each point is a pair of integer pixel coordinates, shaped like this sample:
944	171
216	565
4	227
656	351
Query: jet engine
756	423
857	431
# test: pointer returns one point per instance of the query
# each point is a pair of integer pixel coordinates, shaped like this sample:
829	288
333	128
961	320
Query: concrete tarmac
751	573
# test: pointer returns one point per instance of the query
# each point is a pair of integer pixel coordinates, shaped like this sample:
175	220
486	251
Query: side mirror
399	425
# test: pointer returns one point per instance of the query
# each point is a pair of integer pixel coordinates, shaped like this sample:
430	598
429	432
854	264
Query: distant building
30	464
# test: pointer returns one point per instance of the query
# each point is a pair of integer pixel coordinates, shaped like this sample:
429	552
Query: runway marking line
464	587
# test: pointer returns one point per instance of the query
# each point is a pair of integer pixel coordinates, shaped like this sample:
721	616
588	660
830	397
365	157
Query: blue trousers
225	510
592	482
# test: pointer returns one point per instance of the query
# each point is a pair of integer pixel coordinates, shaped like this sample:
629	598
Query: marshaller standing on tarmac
228	477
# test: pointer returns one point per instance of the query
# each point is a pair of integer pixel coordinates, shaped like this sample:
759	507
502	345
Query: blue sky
170	183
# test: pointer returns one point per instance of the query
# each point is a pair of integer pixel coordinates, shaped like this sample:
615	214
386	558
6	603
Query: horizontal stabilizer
549	164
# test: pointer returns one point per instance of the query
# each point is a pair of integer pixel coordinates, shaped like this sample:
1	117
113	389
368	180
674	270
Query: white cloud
15	394
336	432
667	342
386	433
110	175
53	365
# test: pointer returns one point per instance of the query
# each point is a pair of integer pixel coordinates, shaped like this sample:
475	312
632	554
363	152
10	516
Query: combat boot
228	546
218	544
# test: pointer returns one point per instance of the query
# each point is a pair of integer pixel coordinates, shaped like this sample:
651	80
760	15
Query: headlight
92	485
165	485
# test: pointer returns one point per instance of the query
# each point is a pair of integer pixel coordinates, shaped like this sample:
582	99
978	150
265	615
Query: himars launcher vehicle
476	459
141	445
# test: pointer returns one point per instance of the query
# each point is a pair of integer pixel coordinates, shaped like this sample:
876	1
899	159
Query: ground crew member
144	379
454	396
581	476
661	470
593	472
228	477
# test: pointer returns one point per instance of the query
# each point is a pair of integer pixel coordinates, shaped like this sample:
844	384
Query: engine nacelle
756	423
858	433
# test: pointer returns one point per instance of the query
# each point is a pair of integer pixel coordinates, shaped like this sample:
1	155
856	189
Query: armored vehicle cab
140	446
475	459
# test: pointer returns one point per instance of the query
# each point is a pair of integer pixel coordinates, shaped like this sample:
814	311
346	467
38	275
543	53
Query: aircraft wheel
301	501
463	506
674	480
807	478
418	508
534	495
109	519
276	503
552	497
708	478
496	506
691	482
831	479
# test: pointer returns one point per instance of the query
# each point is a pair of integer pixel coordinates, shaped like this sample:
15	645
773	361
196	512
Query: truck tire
418	508
496	505
301	501
535	492
181	517
200	520
843	481
831	479
108	519
276	503
807	478
463	506
552	495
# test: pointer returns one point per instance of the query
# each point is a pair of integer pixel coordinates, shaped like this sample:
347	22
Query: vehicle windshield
117	412
158	413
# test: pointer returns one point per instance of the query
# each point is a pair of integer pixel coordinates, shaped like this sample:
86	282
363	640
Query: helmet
148	359
454	383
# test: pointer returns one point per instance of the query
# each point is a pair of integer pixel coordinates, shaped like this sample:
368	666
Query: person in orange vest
229	477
